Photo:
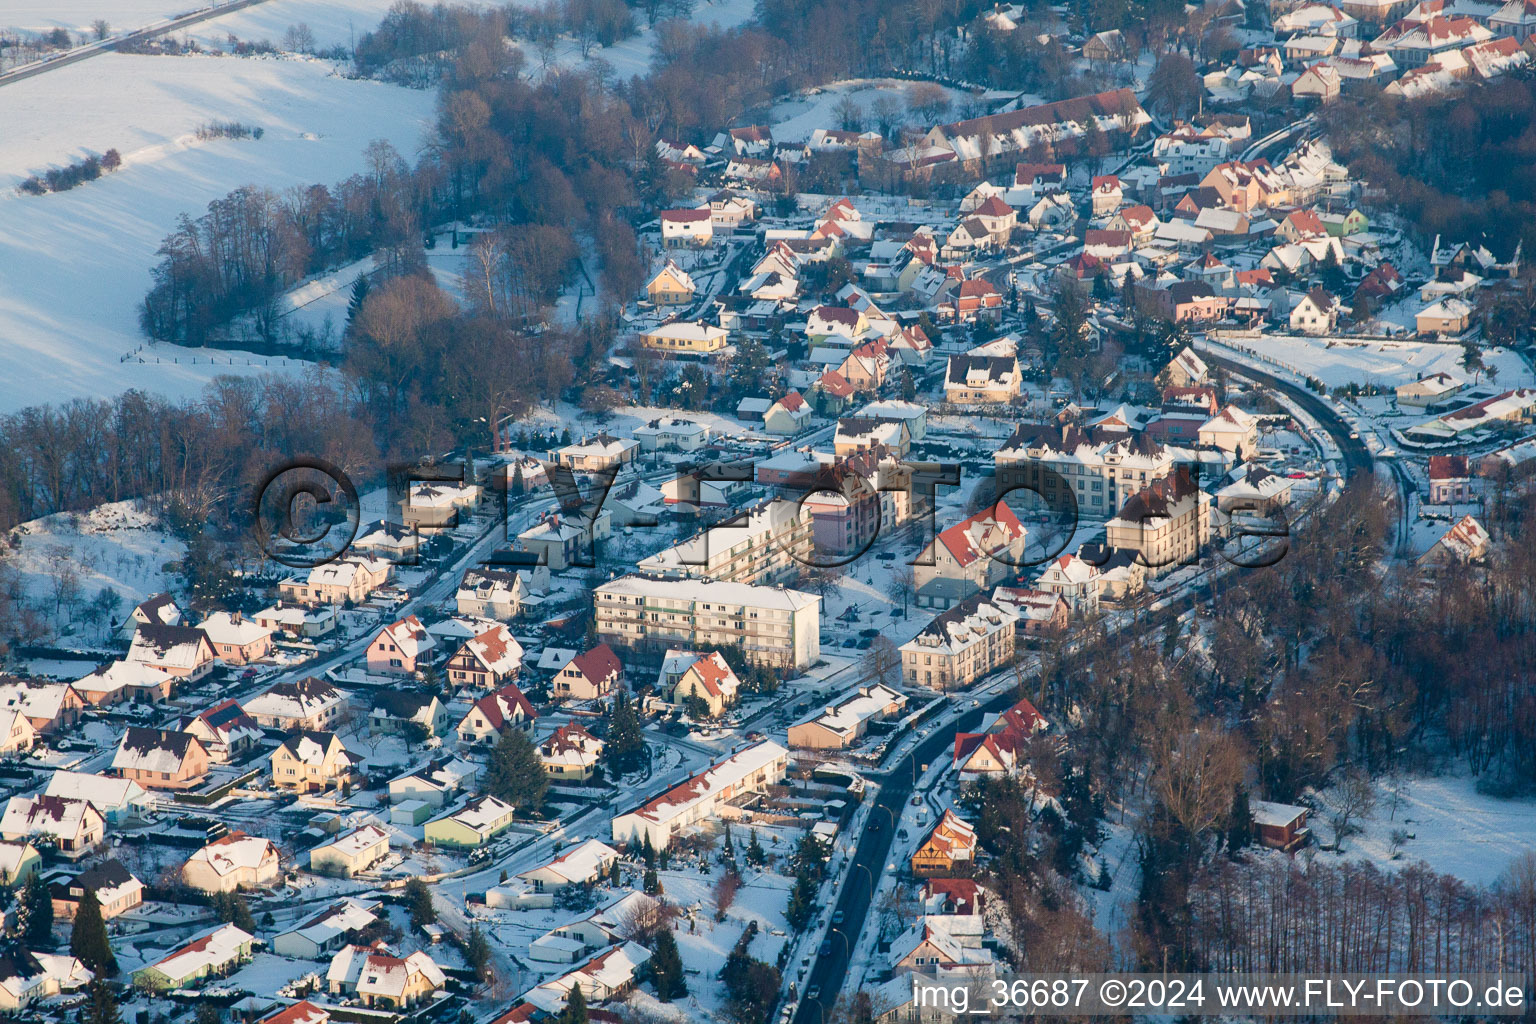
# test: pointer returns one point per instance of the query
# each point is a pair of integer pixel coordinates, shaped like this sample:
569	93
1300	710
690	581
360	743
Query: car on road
837	918
917	801
826	950
814	992
851	642
871	633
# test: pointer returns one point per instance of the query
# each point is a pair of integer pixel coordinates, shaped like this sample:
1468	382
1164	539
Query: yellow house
670	287
705	677
19	861
475	824
311	762
685	336
952	843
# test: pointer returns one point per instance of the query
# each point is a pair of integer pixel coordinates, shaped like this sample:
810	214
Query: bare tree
1194	773
1352	799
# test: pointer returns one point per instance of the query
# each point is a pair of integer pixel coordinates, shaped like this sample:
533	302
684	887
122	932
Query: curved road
138	35
1357	457
829	972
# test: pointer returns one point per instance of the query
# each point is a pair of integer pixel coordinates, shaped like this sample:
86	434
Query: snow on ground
1387	363
1454	829
333	22
77	15
117	547
794	120
78	262
632	56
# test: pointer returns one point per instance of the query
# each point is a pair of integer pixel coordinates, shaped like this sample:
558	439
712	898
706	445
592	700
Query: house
1280	826
1186	370
1165	525
1516	19
473	825
235	861
598	453
401	648
771	625
181	651
1316	313
670	433
562	539
1516	406
492	594
129	681
1428	390
789	415
75	827
236	640
45	707
309	704
384	982
115	887
437	505
670	287
312	762
494	714
296	621
29	977
405	711
606	976
613	923
116	799
1106	47
1449	317
983	145
685	337
970	556
961	645
982	379
215	953
225	730
159	610
389	542
490	659
16	732
930	948
435	784
570	753
1000	746
1321	82
347	582
1464	542
19	861
686	229
161	759
951	844
589	675
583	864
328	931
1106	193
1035	612
841	725
975	299
865	367
701	797
1258	492
701	676
1077	582
350	854
1232	430
1300	226
1450	480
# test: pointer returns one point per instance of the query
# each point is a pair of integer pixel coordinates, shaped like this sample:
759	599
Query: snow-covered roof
712	591
357	842
105	794
46	815
1274	815
205	953
235	852
343	916
154	750
233	628
175	647
114	676
579	864
297	700
712	781
847	716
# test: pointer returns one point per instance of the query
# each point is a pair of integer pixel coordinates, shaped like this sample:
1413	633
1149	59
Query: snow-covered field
116	547
1388	363
1454	828
78	262
632	56
332	22
794	120
77	15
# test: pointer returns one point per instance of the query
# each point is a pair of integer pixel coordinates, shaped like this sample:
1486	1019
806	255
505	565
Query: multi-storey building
1100	468
960	646
768	543
771	625
1166	523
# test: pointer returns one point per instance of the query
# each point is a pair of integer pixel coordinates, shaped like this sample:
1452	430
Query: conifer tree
88	938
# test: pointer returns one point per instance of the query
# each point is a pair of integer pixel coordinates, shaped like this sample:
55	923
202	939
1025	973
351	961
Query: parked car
837	918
